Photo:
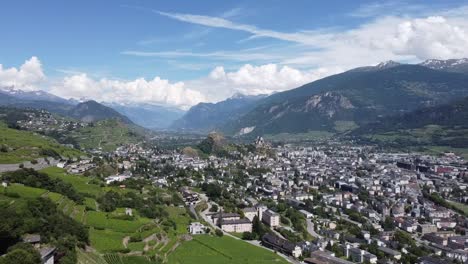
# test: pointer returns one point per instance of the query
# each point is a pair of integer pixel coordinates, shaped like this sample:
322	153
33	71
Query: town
322	202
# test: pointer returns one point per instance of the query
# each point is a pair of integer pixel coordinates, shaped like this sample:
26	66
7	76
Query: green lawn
213	250
26	146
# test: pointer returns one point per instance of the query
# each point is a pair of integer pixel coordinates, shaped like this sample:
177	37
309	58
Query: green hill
106	135
18	146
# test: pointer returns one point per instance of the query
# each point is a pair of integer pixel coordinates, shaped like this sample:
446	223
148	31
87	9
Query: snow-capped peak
387	64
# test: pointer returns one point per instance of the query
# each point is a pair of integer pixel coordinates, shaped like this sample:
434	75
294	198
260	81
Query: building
250	213
197	228
47	255
306	213
236	226
281	245
426	228
324	257
271	218
359	255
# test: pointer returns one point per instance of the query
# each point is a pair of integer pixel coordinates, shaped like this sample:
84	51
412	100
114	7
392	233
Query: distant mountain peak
387	64
453	65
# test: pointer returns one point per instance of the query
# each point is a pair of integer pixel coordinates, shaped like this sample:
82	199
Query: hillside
443	125
205	117
92	111
106	135
156	231
149	116
17	146
353	98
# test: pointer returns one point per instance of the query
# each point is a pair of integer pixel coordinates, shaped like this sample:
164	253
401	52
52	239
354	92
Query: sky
180	53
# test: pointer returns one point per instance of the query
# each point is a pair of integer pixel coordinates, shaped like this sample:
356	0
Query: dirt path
125	241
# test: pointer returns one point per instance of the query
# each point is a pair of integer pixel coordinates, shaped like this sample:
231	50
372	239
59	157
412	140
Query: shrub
219	233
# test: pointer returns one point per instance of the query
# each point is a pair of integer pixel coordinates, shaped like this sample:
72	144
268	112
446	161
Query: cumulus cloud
28	77
139	90
254	80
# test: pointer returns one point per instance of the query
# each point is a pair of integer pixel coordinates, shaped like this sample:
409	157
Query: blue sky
208	50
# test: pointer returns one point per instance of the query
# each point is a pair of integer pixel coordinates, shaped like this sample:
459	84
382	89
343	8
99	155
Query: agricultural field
24	191
106	240
105	134
80	183
23	146
102	220
213	250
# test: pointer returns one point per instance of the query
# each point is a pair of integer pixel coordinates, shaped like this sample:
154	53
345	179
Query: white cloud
139	90
28	77
254	80
440	35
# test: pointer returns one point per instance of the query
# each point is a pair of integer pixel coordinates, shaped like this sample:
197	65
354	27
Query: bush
219	233
248	236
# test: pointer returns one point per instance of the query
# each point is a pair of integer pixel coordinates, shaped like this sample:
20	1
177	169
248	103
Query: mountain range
355	98
205	117
338	103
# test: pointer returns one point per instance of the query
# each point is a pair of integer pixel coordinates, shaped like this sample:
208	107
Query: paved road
311	229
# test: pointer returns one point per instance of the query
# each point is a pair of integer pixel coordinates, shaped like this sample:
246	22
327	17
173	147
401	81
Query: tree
21	256
214	208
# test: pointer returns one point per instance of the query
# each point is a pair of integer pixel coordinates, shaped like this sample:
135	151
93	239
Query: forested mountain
354	98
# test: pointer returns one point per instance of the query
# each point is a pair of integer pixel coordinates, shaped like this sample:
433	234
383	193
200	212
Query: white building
271	218
197	228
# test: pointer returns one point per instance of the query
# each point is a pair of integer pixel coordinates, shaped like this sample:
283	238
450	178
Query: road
311	229
41	164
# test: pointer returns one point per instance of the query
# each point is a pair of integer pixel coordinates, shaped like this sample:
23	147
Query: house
359	255
271	218
128	211
47	255
306	213
281	245
32	239
197	228
426	228
391	253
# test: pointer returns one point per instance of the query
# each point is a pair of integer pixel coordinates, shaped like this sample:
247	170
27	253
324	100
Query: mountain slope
149	116
357	96
452	65
205	117
430	128
92	111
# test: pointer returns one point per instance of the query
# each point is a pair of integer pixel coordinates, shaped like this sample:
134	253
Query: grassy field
101	220
180	217
213	250
24	191
106	240
25	146
80	183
